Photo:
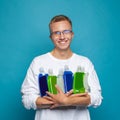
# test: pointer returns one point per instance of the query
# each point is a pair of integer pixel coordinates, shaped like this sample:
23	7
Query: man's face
61	34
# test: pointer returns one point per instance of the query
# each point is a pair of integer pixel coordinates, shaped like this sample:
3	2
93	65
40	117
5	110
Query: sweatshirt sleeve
30	89
95	88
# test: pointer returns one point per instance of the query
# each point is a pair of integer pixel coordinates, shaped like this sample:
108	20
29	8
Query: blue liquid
68	80
43	84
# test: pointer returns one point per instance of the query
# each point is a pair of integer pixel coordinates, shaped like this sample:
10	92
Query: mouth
63	41
63	44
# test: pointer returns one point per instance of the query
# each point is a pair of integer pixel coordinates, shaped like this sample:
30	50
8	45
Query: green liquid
52	81
78	82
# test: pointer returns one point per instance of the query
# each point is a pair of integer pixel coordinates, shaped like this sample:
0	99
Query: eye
57	33
67	31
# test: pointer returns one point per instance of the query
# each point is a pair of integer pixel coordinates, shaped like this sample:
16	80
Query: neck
65	54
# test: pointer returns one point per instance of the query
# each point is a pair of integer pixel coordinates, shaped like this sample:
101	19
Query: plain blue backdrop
24	34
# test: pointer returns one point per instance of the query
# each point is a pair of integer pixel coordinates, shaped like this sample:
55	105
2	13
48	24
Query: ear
50	36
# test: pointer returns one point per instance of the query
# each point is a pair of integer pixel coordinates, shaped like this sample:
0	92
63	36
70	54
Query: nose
62	36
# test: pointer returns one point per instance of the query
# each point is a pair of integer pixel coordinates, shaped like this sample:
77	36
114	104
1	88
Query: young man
60	106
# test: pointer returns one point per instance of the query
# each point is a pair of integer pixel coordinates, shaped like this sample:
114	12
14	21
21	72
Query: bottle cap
79	69
61	72
66	68
41	70
50	71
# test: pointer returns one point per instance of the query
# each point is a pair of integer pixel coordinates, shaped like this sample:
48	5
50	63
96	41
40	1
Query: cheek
55	39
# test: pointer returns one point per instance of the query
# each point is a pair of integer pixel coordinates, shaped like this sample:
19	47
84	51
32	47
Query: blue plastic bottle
68	79
42	79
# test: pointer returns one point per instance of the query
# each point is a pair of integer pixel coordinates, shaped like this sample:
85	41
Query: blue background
24	34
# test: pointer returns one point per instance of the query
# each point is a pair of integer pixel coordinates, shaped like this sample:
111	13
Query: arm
69	99
95	88
82	99
42	102
30	90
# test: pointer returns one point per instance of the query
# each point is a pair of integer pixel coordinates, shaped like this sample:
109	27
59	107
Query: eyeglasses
58	33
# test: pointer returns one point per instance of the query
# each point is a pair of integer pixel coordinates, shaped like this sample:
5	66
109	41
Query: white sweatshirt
30	88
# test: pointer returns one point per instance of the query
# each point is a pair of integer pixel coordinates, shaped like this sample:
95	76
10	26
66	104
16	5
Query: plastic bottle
60	81
86	85
78	81
42	79
52	81
68	79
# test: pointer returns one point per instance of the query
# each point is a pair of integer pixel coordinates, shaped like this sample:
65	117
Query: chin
63	48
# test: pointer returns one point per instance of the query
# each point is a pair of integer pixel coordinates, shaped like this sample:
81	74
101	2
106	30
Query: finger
47	103
50	94
69	93
48	98
58	89
79	95
53	106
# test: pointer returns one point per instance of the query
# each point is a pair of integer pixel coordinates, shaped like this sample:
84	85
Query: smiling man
60	106
61	35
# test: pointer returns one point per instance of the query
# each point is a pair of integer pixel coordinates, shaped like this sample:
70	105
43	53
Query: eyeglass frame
58	33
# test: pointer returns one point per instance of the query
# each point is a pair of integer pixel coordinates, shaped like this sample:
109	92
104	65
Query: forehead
62	25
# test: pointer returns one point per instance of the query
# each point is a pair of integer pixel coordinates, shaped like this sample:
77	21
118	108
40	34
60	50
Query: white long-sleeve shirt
30	88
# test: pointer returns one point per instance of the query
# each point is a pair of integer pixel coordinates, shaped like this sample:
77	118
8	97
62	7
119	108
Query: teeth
62	42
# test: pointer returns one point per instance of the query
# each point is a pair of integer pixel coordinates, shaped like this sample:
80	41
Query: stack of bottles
66	80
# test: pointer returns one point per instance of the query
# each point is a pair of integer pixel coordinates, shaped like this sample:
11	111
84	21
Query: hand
81	99
59	99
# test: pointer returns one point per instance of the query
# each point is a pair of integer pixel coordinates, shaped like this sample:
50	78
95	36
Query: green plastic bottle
51	81
78	81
